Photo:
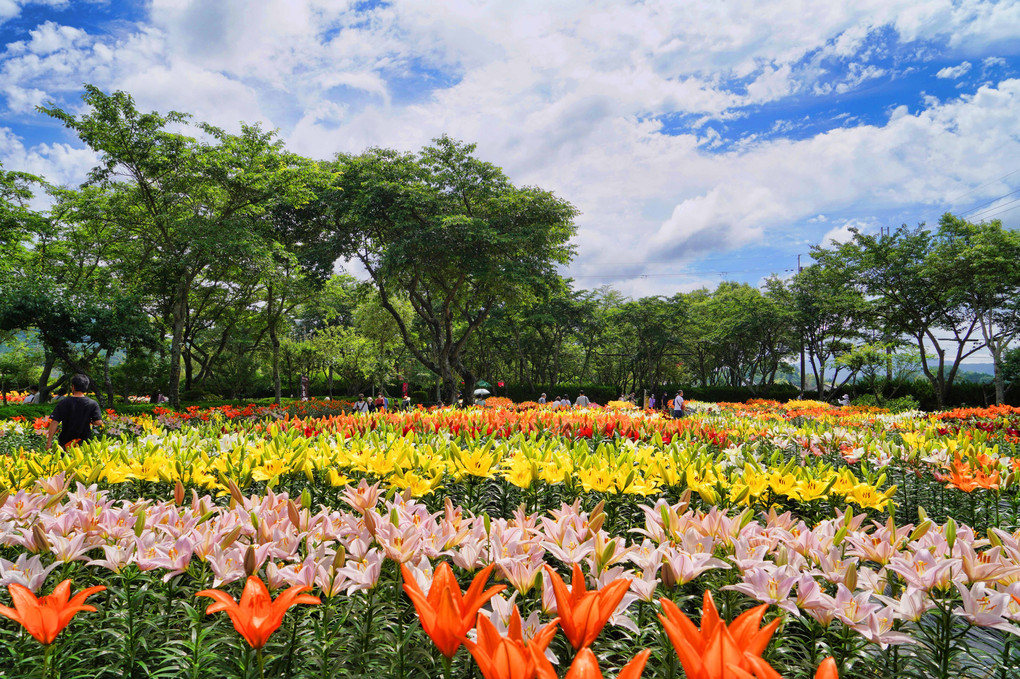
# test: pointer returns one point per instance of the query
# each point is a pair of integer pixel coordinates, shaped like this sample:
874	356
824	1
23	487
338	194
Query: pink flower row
844	569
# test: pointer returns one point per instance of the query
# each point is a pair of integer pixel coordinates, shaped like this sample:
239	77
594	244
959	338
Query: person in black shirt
77	413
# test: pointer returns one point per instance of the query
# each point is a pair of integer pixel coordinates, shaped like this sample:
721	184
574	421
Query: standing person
582	400
77	413
406	403
361	405
678	404
651	402
380	402
541	399
33	396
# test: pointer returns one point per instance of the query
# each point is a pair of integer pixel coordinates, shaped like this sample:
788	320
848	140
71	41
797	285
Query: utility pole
802	366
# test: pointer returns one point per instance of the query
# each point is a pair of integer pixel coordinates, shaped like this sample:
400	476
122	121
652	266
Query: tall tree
828	312
182	202
985	262
452	235
912	292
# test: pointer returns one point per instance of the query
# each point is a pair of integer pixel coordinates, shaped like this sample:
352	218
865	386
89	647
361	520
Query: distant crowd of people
381	403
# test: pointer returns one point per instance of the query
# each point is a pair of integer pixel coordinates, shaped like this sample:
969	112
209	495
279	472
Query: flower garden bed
886	542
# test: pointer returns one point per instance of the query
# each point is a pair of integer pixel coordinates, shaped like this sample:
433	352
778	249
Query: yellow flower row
422	463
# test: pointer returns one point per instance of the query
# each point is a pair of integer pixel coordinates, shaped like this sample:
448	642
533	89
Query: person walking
678	404
582	400
361	405
541	399
74	415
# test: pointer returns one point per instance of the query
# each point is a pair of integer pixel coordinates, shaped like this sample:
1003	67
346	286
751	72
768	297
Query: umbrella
482	392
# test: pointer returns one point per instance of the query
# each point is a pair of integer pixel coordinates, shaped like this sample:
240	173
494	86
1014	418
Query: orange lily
45	617
716	651
509	657
257	615
586	666
827	670
445	614
583	614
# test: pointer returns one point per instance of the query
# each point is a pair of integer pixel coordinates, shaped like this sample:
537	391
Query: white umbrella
482	392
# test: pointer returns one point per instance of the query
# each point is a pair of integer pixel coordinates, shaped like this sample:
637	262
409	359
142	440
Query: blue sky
701	141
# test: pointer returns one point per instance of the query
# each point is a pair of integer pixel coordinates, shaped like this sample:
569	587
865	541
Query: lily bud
306	499
850	579
950	533
921	530
249	561
340	558
139	523
370	522
235	492
837	540
595	525
668	577
39	537
294	514
231	537
178	493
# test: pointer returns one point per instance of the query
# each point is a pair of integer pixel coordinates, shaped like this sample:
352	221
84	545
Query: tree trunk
274	340
180	310
107	382
995	348
44	379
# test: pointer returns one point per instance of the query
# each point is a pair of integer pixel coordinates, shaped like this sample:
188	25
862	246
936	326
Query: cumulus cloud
953	72
582	98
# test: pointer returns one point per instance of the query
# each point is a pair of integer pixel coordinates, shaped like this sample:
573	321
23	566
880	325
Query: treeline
211	264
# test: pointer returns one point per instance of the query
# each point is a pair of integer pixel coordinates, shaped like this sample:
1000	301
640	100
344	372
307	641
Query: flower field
746	540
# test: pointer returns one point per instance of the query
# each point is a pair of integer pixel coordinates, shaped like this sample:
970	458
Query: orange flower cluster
970	477
715	651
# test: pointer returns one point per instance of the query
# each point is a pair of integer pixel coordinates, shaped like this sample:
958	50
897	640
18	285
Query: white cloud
842	234
60	164
953	72
11	9
573	96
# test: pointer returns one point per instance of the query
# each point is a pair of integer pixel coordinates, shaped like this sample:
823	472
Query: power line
996	214
981	186
992	201
993	210
693	274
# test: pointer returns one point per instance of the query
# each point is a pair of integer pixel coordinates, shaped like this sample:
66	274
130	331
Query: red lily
44	617
716	651
583	614
257	615
445	614
586	666
827	670
509	657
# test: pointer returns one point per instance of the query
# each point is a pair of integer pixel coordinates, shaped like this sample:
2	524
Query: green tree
912	291
450	234
181	203
828	313
984	260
